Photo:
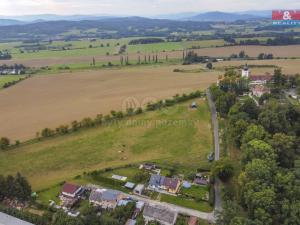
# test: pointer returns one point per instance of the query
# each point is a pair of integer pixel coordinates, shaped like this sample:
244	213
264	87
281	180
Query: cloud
137	7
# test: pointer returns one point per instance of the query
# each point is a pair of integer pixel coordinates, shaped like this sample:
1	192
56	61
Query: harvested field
186	145
50	101
289	66
253	51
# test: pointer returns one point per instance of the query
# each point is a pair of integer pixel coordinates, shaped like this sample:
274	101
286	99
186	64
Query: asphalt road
215	124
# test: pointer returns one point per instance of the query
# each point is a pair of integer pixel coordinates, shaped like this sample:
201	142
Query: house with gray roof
168	184
106	198
160	214
6	219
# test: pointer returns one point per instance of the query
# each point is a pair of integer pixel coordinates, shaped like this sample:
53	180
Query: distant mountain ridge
9	22
224	17
193	16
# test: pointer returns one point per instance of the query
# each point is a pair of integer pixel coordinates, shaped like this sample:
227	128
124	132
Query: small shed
139	189
129	185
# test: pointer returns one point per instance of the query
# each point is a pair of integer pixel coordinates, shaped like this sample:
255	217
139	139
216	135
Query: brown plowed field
53	100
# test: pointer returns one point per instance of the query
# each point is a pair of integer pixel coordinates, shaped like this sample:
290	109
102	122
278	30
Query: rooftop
70	188
171	183
160	213
10	220
99	195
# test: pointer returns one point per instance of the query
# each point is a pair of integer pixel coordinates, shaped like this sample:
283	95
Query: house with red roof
171	185
70	190
70	194
260	79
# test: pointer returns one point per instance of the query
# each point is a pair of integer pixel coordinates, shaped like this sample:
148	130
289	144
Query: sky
137	7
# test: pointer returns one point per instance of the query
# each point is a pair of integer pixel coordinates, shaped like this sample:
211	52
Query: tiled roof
70	188
266	77
171	183
104	195
156	180
160	213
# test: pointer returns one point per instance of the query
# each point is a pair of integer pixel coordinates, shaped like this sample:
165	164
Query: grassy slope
48	162
8	78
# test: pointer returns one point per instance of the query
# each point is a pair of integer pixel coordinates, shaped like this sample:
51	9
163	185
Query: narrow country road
215	124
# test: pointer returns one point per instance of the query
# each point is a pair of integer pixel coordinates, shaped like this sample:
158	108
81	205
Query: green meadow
175	136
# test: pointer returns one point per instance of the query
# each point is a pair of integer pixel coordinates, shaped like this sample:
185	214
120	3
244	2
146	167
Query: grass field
9	78
69	57
99	47
150	138
196	191
53	100
188	203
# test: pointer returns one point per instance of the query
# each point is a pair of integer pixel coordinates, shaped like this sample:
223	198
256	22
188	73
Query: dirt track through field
53	100
253	51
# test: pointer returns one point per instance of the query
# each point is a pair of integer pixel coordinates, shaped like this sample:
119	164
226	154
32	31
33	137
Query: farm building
160	214
107	199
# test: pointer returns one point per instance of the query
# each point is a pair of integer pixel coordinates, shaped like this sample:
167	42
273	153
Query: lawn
174	136
9	78
50	194
188	203
195	191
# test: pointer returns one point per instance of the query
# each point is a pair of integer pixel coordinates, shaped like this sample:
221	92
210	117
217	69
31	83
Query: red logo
286	15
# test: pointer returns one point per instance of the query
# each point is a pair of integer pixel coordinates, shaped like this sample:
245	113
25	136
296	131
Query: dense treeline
11	67
4	55
192	57
15	188
26	216
282	40
267	189
11	83
146	41
285	40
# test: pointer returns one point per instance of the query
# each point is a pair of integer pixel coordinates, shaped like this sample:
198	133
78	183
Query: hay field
253	51
53	100
289	66
52	161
